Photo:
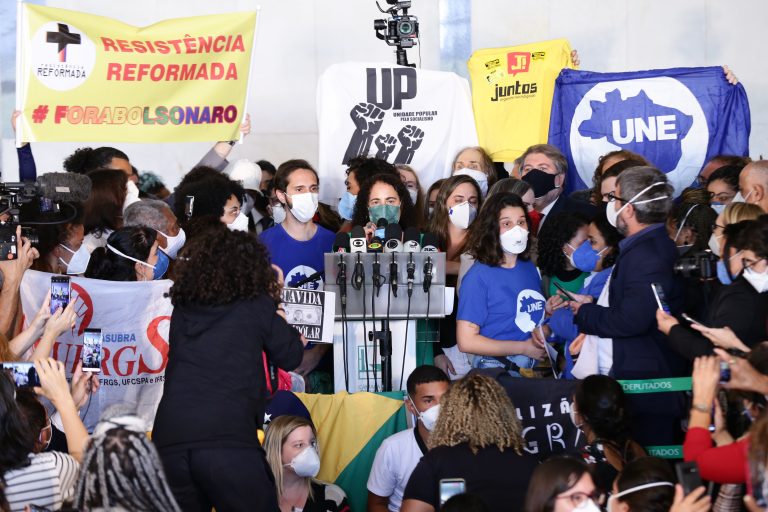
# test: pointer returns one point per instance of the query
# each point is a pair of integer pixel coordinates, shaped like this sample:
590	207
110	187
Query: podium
374	307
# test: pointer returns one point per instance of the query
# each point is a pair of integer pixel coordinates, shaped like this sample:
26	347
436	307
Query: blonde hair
476	410
278	431
737	212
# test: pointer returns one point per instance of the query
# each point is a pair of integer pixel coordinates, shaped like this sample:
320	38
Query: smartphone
60	291
451	487
661	300
189	206
92	350
725	372
688	476
23	374
693	320
564	291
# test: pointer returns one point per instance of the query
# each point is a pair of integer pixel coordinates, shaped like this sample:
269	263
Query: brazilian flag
350	428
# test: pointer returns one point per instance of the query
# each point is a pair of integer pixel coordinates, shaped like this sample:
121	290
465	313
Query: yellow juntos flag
89	78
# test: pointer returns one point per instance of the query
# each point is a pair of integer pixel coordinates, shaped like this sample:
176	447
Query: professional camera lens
379	24
405	28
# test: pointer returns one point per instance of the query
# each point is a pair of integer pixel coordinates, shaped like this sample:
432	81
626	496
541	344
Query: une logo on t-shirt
300	273
530	310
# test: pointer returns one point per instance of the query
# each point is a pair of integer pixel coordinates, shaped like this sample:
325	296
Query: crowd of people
629	279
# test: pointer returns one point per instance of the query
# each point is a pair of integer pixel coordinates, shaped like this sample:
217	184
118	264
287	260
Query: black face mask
541	182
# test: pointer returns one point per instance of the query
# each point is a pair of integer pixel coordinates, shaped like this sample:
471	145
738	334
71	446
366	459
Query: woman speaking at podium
501	301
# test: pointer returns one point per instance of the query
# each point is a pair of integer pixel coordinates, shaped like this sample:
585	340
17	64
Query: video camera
400	30
701	265
49	192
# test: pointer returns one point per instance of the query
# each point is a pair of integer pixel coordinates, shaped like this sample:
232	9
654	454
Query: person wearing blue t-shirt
297	244
501	301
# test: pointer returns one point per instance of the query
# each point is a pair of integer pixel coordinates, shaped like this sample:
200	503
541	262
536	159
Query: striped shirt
48	481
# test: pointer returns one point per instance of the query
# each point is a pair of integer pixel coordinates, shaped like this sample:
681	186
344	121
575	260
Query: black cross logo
63	37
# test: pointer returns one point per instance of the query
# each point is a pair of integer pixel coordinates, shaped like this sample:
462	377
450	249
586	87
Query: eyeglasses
747	263
717	226
581	499
611	197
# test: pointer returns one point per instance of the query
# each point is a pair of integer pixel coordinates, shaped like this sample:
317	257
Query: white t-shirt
47	482
395	460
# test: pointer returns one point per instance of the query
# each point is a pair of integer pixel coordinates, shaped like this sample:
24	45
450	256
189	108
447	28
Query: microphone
380	228
341	243
393	235
56	186
429	243
428	267
375	245
412	240
411	271
309	279
393	245
357	240
358	274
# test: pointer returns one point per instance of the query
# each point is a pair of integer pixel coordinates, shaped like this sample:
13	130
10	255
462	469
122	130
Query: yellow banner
89	78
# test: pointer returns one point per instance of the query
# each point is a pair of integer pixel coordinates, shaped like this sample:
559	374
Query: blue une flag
676	118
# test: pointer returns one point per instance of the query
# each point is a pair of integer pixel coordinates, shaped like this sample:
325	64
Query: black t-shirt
499	478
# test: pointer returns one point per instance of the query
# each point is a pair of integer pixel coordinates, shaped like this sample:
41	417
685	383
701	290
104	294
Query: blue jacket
640	350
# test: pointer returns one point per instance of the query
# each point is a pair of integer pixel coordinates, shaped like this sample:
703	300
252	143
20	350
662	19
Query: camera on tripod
400	30
701	265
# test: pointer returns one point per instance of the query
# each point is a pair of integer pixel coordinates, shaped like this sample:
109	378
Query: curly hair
554	234
235	264
87	159
360	215
438	224
211	193
611	236
699	217
483	241
476	410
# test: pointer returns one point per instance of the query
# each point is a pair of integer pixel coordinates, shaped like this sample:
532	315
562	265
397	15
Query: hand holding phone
661	301
92	343
24	375
451	487
565	292
692	320
688	476
60	292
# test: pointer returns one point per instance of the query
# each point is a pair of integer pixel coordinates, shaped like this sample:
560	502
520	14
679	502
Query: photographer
739	305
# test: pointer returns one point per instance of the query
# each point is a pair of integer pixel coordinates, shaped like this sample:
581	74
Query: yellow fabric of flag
82	77
512	92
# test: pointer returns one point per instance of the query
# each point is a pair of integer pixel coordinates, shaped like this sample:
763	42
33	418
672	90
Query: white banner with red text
134	318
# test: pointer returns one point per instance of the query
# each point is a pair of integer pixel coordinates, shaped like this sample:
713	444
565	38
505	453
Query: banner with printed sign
134	318
82	77
677	118
400	114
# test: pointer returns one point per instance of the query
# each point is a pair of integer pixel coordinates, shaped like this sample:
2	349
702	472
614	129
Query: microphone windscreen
412	240
393	232
357	239
429	243
341	244
375	245
382	223
65	186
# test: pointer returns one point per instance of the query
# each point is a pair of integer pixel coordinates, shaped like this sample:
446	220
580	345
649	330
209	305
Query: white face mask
306	463
462	215
515	240
304	206
587	506
79	260
414	195
613	214
174	243
478	176
714	244
123	255
718	207
131	194
240	223
429	417
758	280
278	213
738	198
613	498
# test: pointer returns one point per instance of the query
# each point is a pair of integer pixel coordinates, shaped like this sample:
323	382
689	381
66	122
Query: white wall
298	39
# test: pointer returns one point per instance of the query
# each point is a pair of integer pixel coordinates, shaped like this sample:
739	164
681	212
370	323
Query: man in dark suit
543	168
638	350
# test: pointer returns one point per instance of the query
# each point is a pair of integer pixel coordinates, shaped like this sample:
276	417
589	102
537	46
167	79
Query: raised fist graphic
367	118
386	145
410	139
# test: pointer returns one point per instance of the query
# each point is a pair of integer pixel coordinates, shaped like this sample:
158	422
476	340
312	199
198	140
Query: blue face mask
585	258
390	212
347	205
718	207
161	267
722	273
